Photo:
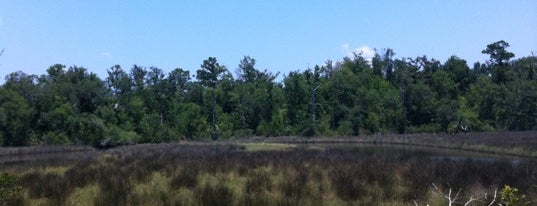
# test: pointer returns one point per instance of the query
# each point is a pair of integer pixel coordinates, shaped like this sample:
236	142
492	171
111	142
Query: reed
230	174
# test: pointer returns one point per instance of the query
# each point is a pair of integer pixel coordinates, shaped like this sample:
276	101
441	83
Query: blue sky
281	35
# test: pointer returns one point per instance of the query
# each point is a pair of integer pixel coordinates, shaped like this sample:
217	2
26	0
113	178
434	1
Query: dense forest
355	96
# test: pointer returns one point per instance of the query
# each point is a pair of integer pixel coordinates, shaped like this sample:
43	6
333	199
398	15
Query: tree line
354	96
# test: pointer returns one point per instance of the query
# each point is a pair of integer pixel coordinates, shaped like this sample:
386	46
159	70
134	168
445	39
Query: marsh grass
83	196
261	146
230	174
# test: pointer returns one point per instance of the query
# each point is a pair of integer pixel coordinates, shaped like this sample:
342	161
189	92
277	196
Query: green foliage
152	129
210	73
498	53
15	113
70	105
52	138
10	191
188	122
510	197
118	136
86	129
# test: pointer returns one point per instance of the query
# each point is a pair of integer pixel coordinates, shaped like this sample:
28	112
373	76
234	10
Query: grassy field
275	171
503	143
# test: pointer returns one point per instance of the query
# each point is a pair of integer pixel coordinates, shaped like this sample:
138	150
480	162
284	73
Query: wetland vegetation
261	173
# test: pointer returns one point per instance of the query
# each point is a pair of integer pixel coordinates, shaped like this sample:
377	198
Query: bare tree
456	198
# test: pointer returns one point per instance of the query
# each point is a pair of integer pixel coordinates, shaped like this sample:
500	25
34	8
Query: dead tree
456	198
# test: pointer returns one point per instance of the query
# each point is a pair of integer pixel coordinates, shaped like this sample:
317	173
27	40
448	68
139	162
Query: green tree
178	80
54	123
460	73
388	65
85	91
525	68
254	95
426	67
210	72
498	53
499	57
247	71
137	74
157	98
86	129
209	75
23	84
118	81
297	101
188	122
15	129
490	101
152	129
89	90
522	107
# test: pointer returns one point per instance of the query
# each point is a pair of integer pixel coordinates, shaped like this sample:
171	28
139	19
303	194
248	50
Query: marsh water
418	152
366	150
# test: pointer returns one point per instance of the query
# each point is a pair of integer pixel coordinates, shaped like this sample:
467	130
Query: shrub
510	197
53	138
10	191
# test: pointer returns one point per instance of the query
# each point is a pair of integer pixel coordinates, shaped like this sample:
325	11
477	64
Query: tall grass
228	174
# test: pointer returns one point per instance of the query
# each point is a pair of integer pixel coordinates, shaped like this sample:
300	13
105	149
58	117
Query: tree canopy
354	96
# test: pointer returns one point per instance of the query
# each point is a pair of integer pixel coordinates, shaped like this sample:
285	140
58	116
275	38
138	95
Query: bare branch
470	200
435	187
493	199
452	198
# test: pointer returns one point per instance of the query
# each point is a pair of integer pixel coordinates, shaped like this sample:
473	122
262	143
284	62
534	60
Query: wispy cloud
346	48
364	51
106	55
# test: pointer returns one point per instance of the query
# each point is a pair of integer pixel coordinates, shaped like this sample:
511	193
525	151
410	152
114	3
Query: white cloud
106	55
345	47
364	51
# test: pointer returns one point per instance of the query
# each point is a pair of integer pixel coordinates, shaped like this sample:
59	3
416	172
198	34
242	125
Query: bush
53	138
116	136
510	197
10	191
